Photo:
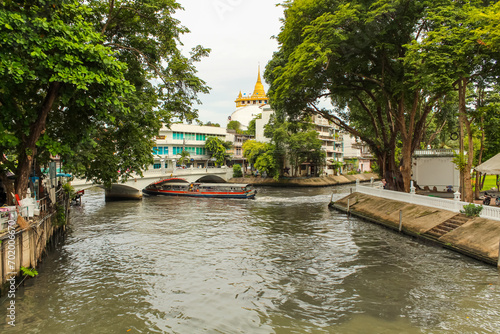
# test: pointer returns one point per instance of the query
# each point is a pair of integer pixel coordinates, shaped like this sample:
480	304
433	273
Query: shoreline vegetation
322	181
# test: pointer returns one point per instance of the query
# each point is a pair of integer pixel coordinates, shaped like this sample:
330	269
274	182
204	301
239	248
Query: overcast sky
240	35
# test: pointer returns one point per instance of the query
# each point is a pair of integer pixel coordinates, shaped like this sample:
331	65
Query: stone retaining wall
478	237
306	181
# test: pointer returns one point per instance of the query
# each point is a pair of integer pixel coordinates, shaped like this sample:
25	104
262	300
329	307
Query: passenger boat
181	187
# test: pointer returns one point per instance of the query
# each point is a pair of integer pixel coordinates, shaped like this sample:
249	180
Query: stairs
454	222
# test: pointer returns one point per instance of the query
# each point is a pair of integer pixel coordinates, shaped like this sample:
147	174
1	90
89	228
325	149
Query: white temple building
249	106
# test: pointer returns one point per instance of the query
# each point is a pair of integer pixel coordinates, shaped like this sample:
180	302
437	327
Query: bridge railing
80	184
454	205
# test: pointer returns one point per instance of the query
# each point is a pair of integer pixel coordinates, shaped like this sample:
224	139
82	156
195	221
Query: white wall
438	172
261	123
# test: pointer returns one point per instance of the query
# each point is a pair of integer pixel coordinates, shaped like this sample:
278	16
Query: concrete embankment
323	181
476	237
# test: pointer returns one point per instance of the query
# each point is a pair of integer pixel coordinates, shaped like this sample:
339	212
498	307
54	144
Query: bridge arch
211	179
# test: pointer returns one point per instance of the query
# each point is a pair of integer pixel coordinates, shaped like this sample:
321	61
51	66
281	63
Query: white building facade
333	143
357	155
170	142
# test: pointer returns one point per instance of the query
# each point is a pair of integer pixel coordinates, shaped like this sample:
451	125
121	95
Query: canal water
282	263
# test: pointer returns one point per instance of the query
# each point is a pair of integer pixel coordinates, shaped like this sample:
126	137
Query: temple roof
258	96
259	88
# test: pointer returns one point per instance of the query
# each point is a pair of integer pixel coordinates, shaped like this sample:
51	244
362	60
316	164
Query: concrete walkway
476	237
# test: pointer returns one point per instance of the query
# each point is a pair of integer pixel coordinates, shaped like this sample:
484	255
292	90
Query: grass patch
489	182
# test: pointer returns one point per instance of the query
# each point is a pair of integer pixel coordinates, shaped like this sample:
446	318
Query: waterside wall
323	181
476	237
25	246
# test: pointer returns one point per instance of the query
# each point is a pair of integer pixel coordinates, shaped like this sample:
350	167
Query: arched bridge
132	188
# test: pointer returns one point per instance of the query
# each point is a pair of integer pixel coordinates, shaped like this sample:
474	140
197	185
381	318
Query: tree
91	83
305	147
216	125
184	159
51	57
450	55
251	126
266	163
253	149
355	54
216	147
234	125
237	171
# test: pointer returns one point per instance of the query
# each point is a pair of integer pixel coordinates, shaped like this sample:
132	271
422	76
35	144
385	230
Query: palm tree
183	160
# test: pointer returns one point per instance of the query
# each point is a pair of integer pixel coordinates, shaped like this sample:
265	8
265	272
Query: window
176	150
178	135
200	136
190	136
156	166
200	151
160	150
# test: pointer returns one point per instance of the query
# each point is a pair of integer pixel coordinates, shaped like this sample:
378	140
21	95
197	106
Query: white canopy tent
491	166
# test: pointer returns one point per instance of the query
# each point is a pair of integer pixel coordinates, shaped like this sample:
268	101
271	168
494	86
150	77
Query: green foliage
459	161
266	163
184	159
253	149
216	125
92	82
251	126
29	271
471	210
234	125
385	65
237	171
69	189
216	147
60	215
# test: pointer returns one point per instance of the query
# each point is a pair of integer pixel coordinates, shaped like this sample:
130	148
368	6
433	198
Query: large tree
354	53
91	82
450	55
217	149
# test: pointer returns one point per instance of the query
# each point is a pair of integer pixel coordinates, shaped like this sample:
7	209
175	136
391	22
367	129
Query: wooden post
400	219
498	264
348	206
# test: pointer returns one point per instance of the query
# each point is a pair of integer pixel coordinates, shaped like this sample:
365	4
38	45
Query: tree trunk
9	188
406	165
36	129
478	186
465	178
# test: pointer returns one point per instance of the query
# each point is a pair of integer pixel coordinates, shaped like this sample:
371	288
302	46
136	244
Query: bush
237	171
68	189
471	210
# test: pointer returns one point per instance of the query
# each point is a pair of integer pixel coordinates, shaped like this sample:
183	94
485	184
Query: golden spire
259	88
258	97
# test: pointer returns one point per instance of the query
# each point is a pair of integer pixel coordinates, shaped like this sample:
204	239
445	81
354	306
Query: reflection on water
282	263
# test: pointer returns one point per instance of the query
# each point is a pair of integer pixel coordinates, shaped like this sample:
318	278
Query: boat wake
298	199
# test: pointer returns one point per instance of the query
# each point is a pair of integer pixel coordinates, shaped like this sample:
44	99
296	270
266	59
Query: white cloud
240	36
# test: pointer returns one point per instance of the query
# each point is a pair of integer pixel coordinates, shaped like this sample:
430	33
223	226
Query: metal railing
454	205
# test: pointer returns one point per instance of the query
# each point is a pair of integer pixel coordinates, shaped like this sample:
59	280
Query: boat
181	187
